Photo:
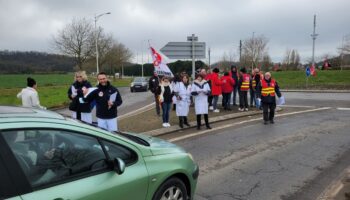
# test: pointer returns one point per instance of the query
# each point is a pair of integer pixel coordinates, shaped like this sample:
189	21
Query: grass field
52	88
323	80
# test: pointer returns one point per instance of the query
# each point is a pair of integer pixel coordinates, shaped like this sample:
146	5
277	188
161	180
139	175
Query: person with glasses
80	111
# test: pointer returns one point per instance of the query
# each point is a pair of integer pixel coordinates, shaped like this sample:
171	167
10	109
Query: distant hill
15	62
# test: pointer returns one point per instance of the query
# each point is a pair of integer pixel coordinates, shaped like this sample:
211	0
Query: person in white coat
182	92
200	90
29	95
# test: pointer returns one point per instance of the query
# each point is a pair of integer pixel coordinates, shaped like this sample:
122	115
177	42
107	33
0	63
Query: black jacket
101	95
153	84
268	99
75	105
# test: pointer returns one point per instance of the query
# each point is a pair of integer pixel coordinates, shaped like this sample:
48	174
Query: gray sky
30	24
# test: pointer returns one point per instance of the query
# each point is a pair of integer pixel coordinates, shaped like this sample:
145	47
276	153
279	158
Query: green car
44	156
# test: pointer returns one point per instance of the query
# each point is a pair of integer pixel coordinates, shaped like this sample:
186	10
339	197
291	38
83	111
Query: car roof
14	112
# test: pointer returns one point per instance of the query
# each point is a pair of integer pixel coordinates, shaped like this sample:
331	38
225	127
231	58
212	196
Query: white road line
138	111
297	106
242	122
343	108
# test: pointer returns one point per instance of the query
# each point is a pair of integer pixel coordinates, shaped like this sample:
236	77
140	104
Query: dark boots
181	122
206	119
186	122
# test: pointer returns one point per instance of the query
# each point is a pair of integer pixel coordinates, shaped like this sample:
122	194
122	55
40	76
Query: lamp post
96	38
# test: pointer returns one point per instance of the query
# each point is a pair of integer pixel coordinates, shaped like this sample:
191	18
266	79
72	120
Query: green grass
323	80
52	88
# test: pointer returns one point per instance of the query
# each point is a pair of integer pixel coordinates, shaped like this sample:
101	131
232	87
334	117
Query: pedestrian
175	82
153	85
228	83
29	95
207	76
182	92
234	75
267	90
255	79
216	88
80	111
108	99
201	90
165	98
244	85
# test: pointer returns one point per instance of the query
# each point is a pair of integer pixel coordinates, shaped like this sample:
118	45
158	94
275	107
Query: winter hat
243	70
30	82
216	70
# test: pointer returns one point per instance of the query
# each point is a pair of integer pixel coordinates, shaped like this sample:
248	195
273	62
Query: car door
62	164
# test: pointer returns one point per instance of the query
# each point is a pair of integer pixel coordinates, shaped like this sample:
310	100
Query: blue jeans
252	98
215	102
166	109
235	90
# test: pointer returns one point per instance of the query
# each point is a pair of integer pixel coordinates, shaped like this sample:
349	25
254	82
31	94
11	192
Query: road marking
242	122
297	106
136	112
343	108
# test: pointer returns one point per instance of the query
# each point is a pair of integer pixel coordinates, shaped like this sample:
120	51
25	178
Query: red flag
159	63
313	70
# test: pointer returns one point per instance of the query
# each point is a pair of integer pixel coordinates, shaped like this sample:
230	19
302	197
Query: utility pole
209	57
253	51
193	57
314	36
240	52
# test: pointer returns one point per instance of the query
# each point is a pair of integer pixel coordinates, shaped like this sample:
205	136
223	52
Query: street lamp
96	39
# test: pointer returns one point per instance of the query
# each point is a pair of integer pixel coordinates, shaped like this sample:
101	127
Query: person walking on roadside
108	99
244	85
80	111
267	90
153	85
165	98
182	93
234	74
227	87
29	95
201	90
216	88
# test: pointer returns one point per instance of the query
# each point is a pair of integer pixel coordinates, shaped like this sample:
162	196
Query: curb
163	131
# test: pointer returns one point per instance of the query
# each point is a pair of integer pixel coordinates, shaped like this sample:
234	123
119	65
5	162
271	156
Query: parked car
46	156
139	84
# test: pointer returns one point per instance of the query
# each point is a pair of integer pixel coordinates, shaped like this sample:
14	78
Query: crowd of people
177	92
208	86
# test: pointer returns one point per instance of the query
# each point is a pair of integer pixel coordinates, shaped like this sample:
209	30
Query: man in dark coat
107	99
153	85
267	89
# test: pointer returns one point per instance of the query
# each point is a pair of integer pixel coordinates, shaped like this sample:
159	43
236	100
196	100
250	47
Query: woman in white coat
200	90
182	92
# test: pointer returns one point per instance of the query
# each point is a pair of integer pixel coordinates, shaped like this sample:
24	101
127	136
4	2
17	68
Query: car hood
159	146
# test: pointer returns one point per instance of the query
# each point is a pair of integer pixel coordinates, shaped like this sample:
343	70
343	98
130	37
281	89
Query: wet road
295	158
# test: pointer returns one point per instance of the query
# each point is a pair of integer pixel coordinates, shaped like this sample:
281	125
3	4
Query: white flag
159	64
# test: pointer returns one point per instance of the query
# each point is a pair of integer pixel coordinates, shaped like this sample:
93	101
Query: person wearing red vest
227	87
216	89
267	90
243	85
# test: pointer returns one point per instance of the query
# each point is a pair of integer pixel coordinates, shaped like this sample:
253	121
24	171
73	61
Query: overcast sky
30	24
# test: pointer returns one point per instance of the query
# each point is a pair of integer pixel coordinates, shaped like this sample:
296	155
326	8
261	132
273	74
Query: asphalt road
295	158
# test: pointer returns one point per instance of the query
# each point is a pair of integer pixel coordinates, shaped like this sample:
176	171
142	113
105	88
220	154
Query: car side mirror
118	165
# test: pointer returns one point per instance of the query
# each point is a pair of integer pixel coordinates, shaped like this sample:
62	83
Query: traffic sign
183	50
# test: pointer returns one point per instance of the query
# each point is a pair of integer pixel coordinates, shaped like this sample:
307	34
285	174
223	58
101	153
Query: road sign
195	38
183	50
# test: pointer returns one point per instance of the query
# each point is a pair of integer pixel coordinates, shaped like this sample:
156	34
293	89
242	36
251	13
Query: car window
48	156
118	151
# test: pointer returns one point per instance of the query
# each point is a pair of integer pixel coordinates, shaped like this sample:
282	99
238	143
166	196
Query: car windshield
139	79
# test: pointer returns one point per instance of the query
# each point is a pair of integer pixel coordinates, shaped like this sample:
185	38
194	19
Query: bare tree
75	40
266	63
291	60
254	49
117	56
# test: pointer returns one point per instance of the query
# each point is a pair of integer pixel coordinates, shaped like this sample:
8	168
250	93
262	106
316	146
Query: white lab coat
30	98
183	100
201	100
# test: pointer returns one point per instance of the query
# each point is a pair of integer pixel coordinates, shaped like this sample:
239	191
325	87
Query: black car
139	84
